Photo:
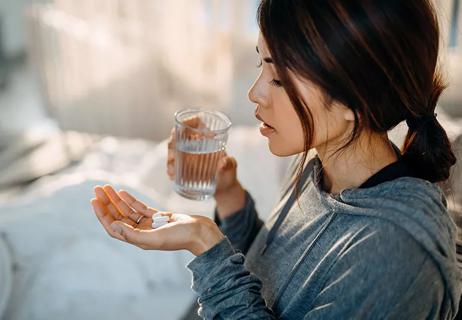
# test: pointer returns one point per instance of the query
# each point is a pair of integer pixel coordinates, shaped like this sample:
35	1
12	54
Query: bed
56	262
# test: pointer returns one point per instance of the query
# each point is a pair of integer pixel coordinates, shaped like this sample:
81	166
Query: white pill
161	219
159	214
158	224
161	222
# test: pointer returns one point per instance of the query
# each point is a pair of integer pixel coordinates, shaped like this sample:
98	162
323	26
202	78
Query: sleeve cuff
203	266
213	256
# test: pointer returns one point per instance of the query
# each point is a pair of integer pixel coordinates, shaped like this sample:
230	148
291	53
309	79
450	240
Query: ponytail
377	58
427	147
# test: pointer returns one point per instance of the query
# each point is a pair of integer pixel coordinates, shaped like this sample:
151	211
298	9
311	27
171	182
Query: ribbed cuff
203	267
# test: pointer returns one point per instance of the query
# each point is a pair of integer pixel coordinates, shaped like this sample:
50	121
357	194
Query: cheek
288	139
328	128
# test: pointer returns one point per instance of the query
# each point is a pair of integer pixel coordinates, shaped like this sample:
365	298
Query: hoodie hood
419	207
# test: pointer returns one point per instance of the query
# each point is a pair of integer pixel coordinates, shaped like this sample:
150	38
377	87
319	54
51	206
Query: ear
344	112
348	114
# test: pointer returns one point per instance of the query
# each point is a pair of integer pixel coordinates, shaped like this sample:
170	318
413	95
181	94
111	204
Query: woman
362	231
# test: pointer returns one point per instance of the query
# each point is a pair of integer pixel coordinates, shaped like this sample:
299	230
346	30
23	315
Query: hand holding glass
200	143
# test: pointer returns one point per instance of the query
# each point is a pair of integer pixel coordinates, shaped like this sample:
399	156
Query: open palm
119	213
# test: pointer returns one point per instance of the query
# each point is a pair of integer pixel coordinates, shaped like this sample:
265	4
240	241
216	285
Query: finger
104	218
226	163
140	238
171	140
171	171
109	206
103	198
137	204
193	121
114	212
171	159
101	195
121	205
222	164
233	162
171	155
103	215
171	145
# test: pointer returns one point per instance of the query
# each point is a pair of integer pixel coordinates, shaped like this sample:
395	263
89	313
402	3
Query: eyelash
273	82
276	83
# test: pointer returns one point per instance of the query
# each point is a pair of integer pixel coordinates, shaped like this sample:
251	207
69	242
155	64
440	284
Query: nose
251	93
256	93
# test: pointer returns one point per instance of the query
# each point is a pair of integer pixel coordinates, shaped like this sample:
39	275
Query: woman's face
280	122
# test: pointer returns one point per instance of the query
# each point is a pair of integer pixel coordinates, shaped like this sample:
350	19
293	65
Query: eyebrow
268	59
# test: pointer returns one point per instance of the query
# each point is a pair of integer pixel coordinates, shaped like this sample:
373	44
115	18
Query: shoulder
379	270
375	241
408	190
405	219
377	255
412	205
379	274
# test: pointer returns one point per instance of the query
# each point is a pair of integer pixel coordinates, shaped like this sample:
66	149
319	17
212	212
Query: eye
276	83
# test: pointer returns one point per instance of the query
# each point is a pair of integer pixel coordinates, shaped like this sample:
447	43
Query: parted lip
261	119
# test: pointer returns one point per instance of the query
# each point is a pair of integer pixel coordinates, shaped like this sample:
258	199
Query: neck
352	166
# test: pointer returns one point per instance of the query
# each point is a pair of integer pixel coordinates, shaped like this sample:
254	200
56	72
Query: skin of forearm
230	201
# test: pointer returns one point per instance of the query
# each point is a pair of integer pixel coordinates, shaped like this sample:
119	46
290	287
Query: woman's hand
119	212
226	173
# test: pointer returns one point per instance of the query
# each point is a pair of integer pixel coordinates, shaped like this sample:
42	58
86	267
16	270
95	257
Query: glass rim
223	116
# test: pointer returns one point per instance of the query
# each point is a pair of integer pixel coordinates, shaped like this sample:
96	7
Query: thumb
227	163
221	164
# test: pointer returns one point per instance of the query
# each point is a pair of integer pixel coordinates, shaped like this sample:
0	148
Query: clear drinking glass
201	137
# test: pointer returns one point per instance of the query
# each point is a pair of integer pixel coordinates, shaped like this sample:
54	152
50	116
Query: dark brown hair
378	58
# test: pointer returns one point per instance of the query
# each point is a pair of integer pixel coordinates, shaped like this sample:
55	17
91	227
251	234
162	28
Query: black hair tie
415	123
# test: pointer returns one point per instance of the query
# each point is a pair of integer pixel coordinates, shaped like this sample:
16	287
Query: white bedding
63	264
66	267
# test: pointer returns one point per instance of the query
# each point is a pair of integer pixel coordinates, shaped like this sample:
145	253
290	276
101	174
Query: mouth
263	121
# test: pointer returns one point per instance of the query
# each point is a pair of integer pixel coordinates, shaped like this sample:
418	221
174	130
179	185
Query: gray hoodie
384	252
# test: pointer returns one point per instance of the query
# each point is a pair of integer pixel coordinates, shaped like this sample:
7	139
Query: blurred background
88	89
133	61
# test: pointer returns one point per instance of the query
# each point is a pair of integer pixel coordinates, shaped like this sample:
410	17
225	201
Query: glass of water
201	137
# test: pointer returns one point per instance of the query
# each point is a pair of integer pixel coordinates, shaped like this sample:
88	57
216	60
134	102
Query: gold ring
139	219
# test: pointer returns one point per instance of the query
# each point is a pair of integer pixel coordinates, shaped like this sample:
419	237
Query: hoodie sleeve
226	289
375	275
241	227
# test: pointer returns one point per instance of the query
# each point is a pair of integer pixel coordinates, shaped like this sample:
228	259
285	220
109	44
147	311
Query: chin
281	150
